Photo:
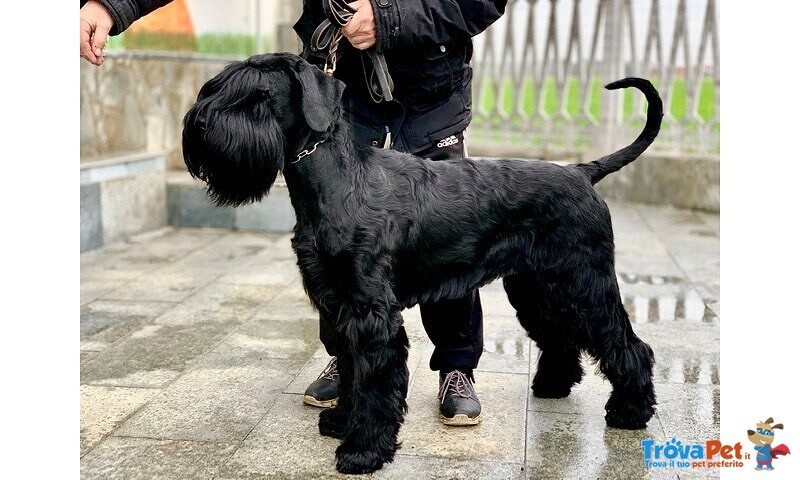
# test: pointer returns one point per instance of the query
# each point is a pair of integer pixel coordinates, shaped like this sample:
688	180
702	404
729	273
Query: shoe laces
331	371
458	384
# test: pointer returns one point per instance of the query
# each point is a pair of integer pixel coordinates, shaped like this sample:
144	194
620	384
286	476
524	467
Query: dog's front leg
376	377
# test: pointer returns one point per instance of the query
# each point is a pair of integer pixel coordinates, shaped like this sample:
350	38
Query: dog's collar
308	151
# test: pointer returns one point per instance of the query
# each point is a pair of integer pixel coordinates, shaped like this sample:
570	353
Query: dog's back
444	215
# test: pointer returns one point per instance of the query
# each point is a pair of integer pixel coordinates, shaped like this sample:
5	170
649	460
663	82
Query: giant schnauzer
379	231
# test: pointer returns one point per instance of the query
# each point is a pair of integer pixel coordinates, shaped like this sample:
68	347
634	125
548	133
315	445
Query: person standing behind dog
427	45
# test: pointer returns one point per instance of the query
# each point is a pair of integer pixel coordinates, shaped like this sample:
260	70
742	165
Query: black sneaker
324	391
459	403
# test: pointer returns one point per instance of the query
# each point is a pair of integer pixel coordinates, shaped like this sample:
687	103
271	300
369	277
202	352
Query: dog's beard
236	149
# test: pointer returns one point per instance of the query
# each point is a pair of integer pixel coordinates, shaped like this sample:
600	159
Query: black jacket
428	46
125	12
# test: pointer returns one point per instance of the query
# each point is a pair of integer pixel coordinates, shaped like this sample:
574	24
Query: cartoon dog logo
762	438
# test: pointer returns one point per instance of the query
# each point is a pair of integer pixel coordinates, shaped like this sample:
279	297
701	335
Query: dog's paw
366	461
627	420
332	422
550	391
551	388
629	413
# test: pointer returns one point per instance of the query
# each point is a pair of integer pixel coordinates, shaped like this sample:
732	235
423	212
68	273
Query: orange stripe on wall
172	18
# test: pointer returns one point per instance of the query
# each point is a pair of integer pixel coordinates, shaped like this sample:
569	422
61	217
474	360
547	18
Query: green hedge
234	44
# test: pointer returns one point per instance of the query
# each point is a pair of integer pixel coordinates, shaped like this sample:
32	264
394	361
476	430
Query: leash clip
329	68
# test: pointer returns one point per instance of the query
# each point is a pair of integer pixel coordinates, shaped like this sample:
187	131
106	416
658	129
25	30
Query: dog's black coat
379	231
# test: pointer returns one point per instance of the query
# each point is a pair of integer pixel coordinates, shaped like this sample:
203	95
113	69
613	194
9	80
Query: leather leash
327	36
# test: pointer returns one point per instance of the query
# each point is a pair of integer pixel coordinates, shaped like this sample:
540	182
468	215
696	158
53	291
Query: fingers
99	40
360	30
360	34
363	43
96	22
86	48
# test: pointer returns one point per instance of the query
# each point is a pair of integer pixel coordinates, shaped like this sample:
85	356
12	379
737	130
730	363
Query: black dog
379	231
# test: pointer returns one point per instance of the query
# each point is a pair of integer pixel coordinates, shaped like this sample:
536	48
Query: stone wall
136	102
121	197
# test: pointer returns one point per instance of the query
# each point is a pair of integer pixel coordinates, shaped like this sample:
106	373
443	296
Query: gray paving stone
285	444
237	344
295	340
155	357
104	408
147	458
696	252
265	270
92	289
164	285
410	466
587	398
220	302
143	253
277	309
103	322
689	412
293	296
573	446
499	437
230	252
506	346
221	399
494	300
686	353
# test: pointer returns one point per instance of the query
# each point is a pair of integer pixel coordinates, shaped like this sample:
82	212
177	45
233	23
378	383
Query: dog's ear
778	426
321	96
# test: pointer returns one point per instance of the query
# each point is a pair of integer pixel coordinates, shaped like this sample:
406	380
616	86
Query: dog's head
764	433
253	116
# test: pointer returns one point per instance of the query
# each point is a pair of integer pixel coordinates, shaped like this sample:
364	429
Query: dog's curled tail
598	169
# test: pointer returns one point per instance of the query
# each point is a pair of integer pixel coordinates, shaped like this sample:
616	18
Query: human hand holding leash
360	30
96	22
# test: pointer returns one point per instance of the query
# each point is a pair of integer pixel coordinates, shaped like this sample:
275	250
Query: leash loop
327	37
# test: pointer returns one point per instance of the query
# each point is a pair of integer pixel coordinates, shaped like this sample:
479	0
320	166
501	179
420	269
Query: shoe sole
309	400
460	420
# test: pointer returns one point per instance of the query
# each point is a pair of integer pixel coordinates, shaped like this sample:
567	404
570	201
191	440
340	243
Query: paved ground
196	345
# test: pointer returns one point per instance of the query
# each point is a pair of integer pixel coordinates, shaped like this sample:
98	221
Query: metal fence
538	73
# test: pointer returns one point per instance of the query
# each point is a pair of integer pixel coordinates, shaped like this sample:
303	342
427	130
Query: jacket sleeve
408	23
125	12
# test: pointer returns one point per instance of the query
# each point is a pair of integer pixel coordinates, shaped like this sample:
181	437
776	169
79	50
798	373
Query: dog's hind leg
559	366
624	359
375	377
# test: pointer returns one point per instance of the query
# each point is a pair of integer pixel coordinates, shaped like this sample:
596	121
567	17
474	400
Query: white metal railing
539	70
